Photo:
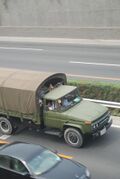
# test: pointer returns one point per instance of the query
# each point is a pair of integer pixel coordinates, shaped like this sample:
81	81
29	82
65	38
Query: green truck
45	101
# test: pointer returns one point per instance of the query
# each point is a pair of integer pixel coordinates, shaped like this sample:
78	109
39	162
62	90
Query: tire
5	126
73	137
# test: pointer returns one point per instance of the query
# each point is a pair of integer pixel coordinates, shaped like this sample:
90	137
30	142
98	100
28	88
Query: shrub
99	90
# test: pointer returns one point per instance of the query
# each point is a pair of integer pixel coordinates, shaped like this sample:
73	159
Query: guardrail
109	104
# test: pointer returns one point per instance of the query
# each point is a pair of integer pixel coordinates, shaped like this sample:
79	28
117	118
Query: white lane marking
94	77
92	63
115	126
3	137
19	48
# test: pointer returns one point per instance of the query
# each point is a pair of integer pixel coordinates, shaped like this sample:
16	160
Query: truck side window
50	105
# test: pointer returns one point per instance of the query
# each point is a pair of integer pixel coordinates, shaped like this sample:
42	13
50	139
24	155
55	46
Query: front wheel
5	126
73	137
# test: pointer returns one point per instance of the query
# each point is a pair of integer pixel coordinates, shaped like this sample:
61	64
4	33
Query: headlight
95	125
87	172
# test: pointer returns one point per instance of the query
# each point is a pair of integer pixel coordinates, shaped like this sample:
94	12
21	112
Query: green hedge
99	90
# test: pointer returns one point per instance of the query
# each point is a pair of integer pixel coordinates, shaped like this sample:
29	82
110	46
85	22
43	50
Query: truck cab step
53	132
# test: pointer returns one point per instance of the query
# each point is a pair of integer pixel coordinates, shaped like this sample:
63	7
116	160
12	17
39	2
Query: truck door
52	117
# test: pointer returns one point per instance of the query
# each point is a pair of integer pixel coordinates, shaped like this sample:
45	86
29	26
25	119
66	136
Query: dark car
20	160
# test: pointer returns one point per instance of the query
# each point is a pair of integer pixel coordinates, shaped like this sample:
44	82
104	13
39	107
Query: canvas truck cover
19	88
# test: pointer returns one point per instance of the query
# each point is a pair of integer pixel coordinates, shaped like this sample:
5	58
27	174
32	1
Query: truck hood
86	110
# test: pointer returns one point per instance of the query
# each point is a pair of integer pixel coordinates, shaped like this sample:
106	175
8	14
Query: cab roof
59	92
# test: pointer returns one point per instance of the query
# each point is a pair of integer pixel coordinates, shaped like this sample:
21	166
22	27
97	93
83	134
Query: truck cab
65	110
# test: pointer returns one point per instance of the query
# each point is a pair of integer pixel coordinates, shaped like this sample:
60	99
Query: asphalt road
101	156
97	62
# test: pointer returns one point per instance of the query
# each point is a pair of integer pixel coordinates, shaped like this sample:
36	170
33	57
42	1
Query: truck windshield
70	99
64	102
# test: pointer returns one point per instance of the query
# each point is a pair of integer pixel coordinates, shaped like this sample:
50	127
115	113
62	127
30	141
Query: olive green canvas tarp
18	89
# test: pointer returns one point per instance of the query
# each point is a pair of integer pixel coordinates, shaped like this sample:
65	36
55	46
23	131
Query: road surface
97	62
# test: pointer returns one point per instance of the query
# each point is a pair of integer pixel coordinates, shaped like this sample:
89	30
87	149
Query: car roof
20	150
59	92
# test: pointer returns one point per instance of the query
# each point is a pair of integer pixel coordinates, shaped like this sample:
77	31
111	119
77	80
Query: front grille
101	121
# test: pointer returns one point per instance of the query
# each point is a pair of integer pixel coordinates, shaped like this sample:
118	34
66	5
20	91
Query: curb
60	40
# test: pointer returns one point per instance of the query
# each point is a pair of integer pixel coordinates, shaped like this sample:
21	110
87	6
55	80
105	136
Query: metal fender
74	126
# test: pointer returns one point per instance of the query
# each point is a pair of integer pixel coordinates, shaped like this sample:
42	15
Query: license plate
103	131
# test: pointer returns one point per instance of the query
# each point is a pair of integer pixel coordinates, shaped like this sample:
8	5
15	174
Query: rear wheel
73	137
5	126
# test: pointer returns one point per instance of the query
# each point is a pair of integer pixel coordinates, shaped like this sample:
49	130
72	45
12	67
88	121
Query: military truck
45	101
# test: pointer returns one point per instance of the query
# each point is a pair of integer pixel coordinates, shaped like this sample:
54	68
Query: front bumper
102	131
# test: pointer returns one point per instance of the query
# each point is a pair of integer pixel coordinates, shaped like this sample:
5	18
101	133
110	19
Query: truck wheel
73	137
5	126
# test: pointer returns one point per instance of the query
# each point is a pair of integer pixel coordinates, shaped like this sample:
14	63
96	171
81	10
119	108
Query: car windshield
43	161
